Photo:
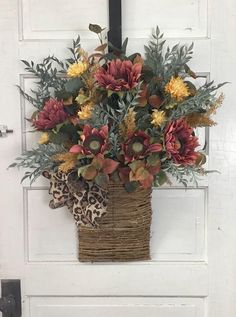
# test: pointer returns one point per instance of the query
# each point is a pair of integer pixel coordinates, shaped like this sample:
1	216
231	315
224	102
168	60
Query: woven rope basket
123	233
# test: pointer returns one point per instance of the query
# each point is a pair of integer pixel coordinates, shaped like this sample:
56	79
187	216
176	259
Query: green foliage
35	102
70	132
50	76
62	94
101	180
74	51
170	63
38	160
58	138
154	58
201	102
48	79
176	59
124	46
160	179
143	118
105	113
111	107
73	85
119	52
95	28
131	186
185	174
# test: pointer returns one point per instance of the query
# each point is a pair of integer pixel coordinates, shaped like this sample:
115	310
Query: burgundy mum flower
94	141
138	146
51	115
180	143
119	75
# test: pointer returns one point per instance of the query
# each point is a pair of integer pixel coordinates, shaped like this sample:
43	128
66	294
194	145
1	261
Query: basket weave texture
123	233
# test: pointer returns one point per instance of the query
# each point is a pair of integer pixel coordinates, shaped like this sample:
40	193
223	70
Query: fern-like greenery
49	75
170	63
38	160
201	102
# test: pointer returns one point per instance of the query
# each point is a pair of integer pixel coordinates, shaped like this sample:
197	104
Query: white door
193	267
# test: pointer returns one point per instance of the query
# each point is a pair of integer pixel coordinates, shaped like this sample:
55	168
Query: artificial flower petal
76	149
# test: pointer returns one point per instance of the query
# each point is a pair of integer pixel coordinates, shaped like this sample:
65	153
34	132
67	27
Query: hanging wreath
114	125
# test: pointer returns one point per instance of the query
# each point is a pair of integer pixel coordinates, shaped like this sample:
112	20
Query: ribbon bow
86	200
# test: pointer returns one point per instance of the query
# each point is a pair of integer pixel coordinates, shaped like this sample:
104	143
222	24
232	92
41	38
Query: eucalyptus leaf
62	94
101	180
131	186
73	85
124	46
95	28
153	159
161	178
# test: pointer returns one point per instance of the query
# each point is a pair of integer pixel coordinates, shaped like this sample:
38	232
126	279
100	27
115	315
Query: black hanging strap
115	30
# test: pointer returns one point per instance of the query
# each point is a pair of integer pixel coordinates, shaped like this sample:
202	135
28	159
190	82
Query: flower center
94	145
137	147
177	144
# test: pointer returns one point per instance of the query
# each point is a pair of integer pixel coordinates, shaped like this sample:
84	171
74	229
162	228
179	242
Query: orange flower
177	88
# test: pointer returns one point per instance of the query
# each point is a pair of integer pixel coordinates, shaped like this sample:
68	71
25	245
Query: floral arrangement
109	117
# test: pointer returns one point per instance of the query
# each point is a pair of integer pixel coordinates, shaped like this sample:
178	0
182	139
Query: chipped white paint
192	273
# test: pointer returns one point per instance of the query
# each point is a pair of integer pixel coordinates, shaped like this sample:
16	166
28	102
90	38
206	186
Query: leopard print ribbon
86	200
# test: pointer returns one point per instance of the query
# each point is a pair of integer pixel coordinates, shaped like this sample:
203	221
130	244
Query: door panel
178	231
42	20
186	277
187	19
117	307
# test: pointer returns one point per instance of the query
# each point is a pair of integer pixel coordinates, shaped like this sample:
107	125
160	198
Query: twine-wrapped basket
123	233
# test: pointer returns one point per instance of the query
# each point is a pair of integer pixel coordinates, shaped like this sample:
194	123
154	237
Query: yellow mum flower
158	118
77	69
44	138
86	111
177	88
